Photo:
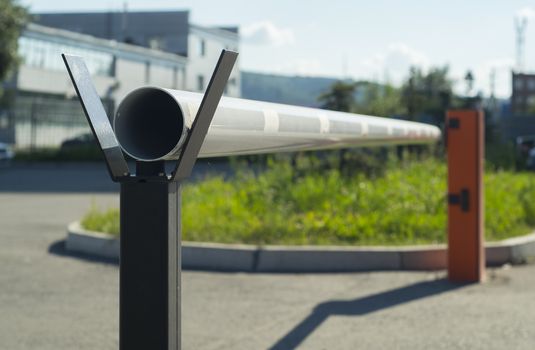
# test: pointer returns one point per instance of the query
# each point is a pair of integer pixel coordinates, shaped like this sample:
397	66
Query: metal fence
44	122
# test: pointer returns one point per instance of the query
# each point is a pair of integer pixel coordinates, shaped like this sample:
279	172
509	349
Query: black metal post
150	297
150	265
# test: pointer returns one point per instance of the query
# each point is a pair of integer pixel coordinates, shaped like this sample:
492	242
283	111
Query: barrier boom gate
155	125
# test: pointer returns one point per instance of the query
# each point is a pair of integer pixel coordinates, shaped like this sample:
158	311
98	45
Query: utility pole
521	23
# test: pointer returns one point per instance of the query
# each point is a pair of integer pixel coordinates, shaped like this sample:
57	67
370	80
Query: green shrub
102	221
405	205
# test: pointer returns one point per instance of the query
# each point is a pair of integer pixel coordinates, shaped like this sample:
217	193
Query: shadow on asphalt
57	178
58	248
89	177
356	307
362	306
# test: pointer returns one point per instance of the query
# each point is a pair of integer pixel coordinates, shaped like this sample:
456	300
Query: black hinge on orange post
462	199
453	123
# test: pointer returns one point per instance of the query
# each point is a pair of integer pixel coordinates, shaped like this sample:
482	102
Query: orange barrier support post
465	147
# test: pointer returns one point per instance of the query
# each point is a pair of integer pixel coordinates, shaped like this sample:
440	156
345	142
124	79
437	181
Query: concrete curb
249	258
90	242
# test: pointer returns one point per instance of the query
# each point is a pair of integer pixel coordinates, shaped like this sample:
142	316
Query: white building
169	31
205	45
44	108
117	68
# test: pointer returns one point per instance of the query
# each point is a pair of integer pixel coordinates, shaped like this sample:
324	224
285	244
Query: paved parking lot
52	300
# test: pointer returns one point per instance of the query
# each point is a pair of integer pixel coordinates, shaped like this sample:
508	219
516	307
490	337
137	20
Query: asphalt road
52	300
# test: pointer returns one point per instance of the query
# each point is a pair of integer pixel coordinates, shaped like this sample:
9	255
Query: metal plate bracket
103	131
205	114
96	116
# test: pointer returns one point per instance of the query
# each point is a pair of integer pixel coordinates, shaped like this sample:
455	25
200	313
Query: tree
374	99
379	100
340	97
13	18
428	94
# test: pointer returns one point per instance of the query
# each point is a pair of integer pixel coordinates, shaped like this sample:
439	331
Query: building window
175	77
113	66
530	103
147	72
154	43
47	55
531	84
200	83
519	84
4	120
202	48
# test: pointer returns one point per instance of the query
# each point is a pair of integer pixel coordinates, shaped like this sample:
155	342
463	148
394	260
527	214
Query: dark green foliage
428	94
340	97
501	155
13	17
379	100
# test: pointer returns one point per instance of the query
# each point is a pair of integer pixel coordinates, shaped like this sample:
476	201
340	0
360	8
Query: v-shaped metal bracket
103	131
96	116
205	114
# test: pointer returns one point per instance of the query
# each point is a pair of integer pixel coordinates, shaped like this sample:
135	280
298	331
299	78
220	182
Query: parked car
83	147
530	162
6	154
81	141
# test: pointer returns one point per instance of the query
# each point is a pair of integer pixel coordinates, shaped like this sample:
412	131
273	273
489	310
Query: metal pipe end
150	125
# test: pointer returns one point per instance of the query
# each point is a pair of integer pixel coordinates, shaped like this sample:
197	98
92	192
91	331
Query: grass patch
102	221
405	205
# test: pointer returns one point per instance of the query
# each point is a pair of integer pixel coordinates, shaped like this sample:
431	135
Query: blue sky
375	40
